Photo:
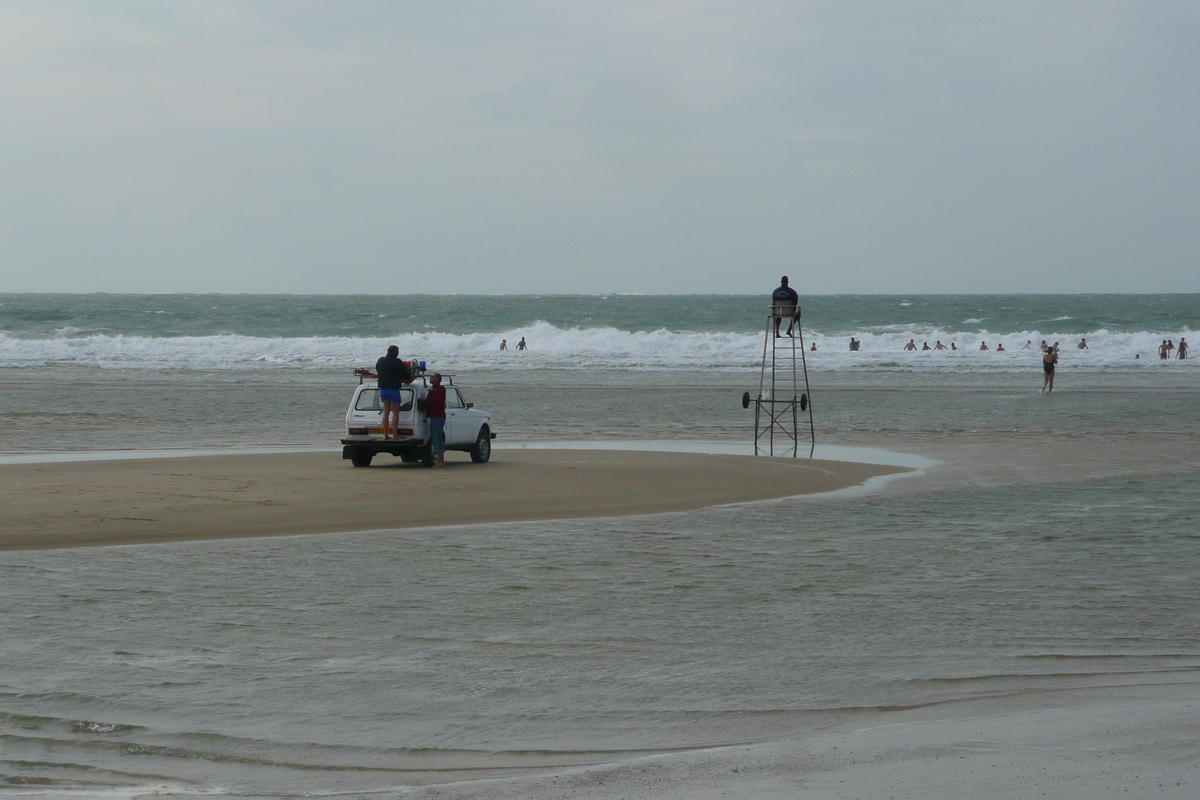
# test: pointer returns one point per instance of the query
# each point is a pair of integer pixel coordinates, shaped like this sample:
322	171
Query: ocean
1049	559
192	332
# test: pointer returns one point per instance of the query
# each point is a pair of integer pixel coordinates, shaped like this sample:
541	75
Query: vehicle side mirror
470	405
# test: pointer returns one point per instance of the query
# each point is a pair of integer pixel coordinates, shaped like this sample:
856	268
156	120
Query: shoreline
86	503
824	452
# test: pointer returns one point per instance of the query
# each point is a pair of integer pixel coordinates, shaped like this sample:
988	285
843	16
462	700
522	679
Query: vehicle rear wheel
361	458
427	455
481	451
409	457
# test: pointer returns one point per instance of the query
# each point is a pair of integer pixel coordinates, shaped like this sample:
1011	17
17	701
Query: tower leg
769	410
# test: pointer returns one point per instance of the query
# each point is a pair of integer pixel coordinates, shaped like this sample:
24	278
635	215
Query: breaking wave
578	348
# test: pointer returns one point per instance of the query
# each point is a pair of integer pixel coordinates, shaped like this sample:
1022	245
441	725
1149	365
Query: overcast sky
659	147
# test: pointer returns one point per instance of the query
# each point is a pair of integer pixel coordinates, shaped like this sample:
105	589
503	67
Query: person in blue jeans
435	412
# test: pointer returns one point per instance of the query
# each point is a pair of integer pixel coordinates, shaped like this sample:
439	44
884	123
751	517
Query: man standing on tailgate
392	376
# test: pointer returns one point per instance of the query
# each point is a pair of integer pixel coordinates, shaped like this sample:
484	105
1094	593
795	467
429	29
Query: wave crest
570	348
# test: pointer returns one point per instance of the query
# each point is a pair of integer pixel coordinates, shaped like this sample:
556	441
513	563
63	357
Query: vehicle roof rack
368	375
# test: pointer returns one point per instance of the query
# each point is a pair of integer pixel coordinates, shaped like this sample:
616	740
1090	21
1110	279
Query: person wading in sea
1048	362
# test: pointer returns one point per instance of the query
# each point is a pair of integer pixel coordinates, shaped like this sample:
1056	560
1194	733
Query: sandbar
144	501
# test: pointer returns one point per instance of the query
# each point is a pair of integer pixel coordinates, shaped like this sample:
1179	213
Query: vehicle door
365	415
458	419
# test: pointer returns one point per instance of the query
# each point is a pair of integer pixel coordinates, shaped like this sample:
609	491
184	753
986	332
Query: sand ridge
143	501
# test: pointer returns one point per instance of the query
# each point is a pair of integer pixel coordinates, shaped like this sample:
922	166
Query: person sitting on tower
785	302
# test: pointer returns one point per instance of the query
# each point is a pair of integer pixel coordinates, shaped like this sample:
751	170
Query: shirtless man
912	345
1182	351
1082	345
521	344
1028	345
983	346
504	344
925	346
940	346
1000	348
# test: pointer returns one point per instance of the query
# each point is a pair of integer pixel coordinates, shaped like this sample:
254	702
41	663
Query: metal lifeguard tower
780	403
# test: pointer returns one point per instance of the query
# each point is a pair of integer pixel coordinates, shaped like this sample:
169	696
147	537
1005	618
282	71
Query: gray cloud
619	146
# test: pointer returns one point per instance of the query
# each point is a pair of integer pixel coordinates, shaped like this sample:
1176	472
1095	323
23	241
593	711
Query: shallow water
278	665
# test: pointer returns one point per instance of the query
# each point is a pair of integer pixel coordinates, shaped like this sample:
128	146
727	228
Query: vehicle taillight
359	431
404	431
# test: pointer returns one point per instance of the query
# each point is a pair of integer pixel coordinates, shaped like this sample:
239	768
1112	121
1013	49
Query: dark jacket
392	373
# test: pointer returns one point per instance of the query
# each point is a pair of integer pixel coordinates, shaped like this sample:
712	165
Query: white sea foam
584	348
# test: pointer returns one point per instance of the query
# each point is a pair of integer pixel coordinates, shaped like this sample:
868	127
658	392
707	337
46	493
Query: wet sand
1130	742
142	501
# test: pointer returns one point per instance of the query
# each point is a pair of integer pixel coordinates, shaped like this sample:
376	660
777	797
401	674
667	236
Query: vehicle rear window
369	400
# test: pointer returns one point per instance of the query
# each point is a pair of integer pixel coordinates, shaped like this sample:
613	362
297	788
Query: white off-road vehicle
467	428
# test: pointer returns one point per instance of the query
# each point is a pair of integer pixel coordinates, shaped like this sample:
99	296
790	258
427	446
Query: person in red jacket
435	411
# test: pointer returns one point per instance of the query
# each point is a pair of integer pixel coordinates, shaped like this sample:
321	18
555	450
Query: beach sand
141	501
